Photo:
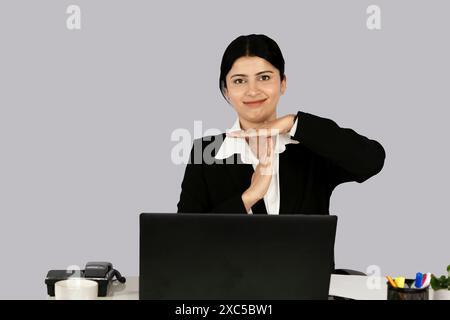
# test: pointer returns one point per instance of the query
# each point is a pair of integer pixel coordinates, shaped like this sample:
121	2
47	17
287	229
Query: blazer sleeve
195	197
350	156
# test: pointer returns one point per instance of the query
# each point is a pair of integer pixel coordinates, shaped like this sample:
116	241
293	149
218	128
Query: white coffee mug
76	289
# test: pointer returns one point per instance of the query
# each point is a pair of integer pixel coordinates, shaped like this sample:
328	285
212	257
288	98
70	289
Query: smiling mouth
255	103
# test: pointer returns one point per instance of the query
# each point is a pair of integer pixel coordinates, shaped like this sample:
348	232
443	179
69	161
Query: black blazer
326	156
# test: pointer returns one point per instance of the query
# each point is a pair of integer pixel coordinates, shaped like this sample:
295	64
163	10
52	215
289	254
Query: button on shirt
232	145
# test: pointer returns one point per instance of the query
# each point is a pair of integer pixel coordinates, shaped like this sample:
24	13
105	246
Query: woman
269	164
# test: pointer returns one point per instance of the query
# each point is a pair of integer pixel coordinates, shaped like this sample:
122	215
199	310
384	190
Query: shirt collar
232	145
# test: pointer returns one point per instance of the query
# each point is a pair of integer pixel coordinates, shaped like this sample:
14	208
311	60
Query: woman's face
253	89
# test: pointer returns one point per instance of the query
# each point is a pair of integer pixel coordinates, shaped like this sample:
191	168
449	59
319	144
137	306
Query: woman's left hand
269	128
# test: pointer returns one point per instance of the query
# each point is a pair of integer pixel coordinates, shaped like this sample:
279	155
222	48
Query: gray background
86	118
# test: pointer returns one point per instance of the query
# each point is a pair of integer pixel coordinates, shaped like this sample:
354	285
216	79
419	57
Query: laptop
188	256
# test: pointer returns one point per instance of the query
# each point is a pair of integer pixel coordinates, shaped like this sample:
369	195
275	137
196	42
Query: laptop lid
235	256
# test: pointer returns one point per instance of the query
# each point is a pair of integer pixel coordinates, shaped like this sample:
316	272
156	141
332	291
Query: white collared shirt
232	145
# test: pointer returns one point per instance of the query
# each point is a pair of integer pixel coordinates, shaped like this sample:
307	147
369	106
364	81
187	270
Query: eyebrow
244	75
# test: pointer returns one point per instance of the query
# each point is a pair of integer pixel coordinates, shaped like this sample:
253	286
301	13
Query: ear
283	85
225	93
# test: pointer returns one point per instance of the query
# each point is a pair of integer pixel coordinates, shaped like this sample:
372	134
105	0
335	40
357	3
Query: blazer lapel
241	174
288	179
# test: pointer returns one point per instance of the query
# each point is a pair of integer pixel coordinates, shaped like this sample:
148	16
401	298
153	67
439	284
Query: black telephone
101	272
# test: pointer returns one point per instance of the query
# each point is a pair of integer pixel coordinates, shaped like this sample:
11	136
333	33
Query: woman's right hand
262	176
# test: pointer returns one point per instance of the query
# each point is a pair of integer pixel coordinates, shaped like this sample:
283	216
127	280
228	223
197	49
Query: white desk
354	287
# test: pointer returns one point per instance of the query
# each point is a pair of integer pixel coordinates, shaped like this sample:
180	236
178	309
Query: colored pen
391	281
426	280
418	282
400	282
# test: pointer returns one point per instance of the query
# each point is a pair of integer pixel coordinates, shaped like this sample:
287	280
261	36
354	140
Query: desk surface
355	287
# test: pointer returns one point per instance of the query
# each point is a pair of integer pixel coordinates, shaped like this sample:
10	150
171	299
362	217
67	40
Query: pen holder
408	292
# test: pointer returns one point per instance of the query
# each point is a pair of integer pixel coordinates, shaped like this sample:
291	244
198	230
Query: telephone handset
97	269
101	272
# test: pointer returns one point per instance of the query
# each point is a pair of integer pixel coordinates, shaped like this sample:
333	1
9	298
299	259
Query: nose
252	89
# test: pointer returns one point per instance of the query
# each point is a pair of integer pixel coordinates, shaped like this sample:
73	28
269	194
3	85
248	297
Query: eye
238	81
265	77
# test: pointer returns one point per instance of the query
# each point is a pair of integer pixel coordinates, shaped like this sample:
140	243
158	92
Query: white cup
76	289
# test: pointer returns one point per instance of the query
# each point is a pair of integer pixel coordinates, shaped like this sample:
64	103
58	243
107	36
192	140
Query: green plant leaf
435	283
442	282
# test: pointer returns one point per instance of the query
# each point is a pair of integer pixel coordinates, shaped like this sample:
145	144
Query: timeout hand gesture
261	144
